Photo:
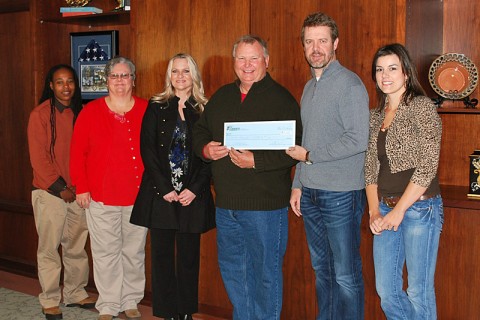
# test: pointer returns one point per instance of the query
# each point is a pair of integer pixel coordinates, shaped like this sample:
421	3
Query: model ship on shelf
123	5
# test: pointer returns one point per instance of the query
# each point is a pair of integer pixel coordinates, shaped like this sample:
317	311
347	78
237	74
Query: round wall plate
453	76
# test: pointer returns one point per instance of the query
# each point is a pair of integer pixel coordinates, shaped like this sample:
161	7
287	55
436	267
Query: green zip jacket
268	186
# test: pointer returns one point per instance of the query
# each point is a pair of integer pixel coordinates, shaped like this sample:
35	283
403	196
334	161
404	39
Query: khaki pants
118	252
60	223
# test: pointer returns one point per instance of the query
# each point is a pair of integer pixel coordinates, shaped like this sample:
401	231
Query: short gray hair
114	61
251	39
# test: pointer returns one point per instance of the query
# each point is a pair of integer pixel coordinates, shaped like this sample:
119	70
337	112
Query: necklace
122	118
390	114
113	107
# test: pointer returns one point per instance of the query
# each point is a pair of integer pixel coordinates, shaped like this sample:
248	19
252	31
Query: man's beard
322	64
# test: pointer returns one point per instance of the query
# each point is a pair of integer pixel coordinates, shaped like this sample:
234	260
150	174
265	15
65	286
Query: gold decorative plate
453	76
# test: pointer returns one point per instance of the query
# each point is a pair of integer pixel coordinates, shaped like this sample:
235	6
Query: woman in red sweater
106	169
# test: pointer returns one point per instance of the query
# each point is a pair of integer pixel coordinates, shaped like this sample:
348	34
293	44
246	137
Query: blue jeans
416	243
251	247
332	225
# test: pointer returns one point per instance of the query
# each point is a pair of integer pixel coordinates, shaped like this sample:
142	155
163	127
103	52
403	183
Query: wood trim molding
456	197
14	265
14	5
16	206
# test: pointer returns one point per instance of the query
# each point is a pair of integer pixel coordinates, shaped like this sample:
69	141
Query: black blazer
150	209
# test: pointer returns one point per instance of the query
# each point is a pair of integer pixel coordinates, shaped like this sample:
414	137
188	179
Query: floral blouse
179	155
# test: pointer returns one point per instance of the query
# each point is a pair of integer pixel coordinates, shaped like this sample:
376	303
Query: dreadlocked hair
48	94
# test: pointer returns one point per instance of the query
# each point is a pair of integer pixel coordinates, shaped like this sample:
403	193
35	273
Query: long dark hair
48	94
413	87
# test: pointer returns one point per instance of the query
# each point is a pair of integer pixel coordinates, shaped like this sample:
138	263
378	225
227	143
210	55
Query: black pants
174	272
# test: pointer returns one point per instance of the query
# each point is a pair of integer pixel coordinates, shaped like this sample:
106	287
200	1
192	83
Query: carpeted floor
19	301
19	306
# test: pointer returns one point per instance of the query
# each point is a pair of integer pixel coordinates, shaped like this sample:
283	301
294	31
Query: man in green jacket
252	187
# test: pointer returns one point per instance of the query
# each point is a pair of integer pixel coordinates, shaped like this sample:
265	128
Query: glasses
122	76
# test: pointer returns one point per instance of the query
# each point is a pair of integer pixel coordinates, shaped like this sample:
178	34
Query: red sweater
47	171
105	153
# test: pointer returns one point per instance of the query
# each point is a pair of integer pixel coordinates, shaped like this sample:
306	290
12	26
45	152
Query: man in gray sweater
328	189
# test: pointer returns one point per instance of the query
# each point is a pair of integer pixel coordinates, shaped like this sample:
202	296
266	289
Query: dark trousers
174	272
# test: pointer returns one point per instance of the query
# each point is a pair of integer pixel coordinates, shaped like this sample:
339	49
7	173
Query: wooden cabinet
51	32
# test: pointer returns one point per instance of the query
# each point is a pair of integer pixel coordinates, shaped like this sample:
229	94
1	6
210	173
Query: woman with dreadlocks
58	218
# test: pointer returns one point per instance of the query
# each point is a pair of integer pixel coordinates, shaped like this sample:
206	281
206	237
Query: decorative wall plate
453	76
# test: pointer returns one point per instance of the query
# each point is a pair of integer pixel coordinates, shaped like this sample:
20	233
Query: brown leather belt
391	202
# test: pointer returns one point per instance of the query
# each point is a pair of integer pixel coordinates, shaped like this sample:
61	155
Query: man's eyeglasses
122	76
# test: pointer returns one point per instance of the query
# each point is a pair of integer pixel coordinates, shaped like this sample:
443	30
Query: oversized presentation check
259	135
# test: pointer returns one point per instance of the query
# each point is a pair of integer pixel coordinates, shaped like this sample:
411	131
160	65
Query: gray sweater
335	118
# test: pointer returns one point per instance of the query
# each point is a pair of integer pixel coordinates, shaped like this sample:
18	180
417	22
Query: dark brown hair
413	87
320	19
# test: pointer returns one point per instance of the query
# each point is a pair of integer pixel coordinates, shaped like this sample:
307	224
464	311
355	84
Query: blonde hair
197	89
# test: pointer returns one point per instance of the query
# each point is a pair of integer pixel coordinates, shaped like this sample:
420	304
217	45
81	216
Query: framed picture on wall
90	52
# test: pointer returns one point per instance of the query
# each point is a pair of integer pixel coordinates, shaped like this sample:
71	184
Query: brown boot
53	313
133	314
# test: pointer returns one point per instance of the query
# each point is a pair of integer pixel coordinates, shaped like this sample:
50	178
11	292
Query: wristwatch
307	158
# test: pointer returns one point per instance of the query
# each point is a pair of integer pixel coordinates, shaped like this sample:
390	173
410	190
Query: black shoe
185	317
87	303
172	318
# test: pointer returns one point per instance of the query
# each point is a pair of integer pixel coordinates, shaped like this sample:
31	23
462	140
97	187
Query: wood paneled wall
156	30
280	24
14	6
16	79
457	278
460	131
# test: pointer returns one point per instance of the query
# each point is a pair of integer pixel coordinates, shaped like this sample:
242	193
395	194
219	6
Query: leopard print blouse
413	141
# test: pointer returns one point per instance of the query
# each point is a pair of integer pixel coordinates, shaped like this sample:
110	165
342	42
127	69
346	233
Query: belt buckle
390	202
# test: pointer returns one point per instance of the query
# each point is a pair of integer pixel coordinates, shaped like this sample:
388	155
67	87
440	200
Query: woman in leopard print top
405	206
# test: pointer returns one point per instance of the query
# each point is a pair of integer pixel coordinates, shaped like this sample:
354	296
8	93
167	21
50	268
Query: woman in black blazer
175	199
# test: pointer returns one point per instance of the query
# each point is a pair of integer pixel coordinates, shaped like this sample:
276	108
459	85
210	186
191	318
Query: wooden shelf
456	197
112	17
459	110
457	107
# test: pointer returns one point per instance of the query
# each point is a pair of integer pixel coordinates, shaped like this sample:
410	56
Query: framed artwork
90	52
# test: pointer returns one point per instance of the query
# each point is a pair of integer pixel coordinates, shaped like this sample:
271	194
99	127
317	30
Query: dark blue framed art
90	52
